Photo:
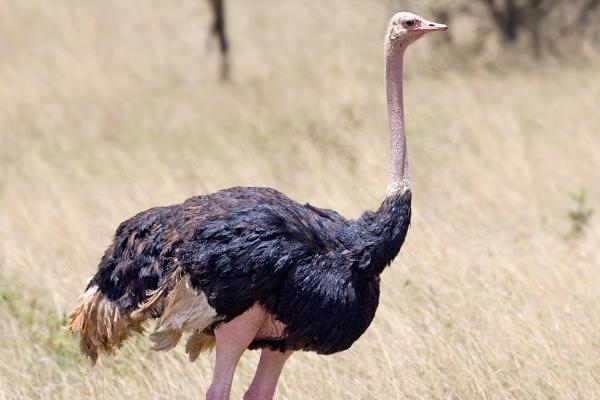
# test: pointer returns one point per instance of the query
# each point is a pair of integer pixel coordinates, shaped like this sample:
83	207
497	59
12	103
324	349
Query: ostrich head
406	27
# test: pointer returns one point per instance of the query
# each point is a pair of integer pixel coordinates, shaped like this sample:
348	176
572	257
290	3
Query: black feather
314	270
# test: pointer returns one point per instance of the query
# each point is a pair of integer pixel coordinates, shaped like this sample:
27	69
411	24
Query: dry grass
108	108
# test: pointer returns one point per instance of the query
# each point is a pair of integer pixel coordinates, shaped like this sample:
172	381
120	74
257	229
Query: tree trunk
218	30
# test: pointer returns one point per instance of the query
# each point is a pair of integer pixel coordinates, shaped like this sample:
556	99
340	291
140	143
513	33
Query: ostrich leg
232	338
267	374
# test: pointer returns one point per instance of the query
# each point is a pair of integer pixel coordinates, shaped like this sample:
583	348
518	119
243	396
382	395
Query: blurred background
111	107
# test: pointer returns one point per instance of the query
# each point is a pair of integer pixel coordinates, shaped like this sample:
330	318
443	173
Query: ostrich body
250	268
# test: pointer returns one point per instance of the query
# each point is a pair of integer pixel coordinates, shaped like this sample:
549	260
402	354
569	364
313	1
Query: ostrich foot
217	393
267	374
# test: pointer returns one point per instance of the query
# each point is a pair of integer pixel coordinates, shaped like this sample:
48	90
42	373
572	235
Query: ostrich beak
428	26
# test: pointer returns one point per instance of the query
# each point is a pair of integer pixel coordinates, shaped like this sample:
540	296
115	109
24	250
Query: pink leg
267	374
232	338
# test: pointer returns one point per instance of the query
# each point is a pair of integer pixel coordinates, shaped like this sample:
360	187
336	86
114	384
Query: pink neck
399	178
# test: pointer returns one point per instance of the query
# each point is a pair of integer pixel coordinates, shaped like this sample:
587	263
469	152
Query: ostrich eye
410	23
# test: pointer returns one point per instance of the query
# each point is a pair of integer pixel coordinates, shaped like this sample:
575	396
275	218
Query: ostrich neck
399	178
387	227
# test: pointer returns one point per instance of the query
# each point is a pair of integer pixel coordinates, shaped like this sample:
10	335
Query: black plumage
310	268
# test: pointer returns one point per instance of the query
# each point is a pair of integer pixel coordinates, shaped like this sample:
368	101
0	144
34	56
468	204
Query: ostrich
247	267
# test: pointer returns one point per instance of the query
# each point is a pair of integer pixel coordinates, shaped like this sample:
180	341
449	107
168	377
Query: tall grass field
109	108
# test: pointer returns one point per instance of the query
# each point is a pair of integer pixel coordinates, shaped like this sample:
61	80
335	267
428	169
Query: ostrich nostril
431	24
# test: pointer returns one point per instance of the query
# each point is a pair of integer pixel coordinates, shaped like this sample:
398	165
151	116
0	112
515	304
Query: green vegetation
43	325
580	214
